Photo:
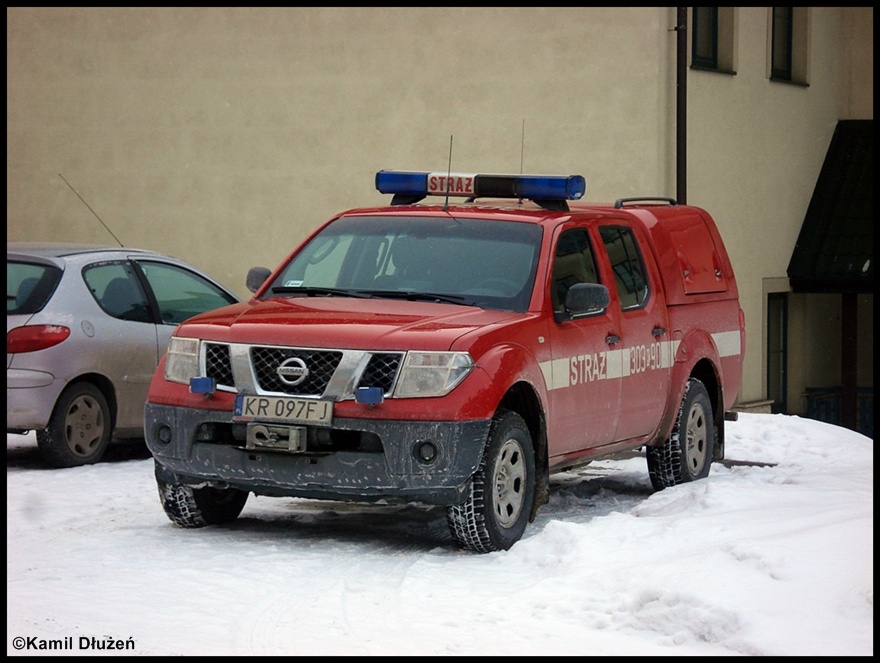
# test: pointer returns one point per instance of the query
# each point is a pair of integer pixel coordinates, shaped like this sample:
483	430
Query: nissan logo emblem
292	371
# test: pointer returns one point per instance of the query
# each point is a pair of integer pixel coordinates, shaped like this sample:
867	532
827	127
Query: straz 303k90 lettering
456	355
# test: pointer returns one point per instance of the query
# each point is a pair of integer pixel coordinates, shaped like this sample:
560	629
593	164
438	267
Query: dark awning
835	249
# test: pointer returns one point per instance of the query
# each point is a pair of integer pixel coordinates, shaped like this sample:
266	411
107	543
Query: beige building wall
755	149
224	135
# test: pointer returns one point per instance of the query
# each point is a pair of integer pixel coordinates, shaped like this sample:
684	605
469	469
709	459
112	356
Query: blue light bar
532	187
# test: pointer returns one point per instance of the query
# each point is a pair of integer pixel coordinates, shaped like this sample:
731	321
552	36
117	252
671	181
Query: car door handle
611	339
658	331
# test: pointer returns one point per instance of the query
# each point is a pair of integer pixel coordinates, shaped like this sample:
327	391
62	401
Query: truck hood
341	322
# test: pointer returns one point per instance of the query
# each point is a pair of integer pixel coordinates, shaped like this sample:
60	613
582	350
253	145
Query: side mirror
256	277
585	299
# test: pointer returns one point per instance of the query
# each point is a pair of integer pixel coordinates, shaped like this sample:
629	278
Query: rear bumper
356	459
30	398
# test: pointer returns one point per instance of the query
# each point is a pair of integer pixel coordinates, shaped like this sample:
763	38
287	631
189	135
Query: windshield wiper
314	291
413	295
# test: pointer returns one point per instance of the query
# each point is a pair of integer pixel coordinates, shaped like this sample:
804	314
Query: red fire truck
456	353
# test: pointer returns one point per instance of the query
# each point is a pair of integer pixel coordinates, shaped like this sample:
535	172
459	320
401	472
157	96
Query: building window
712	39
777	351
704	46
789	32
780	62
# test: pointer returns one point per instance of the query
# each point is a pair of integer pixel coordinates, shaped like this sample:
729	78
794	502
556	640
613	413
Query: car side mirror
585	299
256	277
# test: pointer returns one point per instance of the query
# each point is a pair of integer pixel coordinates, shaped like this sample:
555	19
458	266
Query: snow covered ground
771	555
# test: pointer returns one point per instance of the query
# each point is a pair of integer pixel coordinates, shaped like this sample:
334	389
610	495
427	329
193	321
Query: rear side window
629	270
115	287
29	286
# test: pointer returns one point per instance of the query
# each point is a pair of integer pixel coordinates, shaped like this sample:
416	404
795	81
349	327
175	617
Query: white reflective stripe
728	343
555	373
616	367
671	348
612	364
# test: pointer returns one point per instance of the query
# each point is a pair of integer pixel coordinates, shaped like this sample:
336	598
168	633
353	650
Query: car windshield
490	264
29	286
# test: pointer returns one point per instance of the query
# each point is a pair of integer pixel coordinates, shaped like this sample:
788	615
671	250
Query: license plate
281	408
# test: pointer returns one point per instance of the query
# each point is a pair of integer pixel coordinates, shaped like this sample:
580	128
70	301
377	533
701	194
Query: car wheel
192	507
79	428
499	501
687	454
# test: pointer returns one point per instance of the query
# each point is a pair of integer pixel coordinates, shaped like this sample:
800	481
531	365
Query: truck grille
321	366
219	364
328	373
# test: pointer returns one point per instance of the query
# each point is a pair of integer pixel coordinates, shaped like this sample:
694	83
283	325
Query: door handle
611	339
658	331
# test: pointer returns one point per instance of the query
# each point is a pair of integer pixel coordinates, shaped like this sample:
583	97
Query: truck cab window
572	263
629	270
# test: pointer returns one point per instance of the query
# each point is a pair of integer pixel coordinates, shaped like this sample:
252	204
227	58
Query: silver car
85	328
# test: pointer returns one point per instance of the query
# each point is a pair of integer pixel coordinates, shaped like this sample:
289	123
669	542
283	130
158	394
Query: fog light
425	452
164	435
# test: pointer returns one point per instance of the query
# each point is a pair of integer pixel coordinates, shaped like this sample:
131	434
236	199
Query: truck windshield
490	264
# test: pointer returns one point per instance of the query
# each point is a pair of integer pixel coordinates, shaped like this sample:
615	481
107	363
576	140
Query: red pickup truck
456	354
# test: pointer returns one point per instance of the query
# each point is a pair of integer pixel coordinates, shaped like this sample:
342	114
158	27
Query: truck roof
684	239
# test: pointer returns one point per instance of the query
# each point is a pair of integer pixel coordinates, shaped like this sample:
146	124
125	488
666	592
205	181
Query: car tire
686	455
501	493
192	507
79	429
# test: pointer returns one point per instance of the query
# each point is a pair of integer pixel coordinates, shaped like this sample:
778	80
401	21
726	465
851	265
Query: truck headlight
182	360
426	374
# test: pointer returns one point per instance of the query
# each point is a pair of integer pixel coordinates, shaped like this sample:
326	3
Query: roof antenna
448	175
522	151
91	210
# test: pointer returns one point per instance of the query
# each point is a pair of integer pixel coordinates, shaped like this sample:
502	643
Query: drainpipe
681	107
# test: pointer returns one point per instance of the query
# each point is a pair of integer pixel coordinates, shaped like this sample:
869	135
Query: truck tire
79	428
687	454
192	507
499	500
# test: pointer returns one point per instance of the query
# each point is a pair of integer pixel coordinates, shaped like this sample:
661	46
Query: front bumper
355	460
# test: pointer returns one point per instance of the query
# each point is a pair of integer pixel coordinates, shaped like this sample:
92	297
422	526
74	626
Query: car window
180	293
572	263
629	270
29	286
117	290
